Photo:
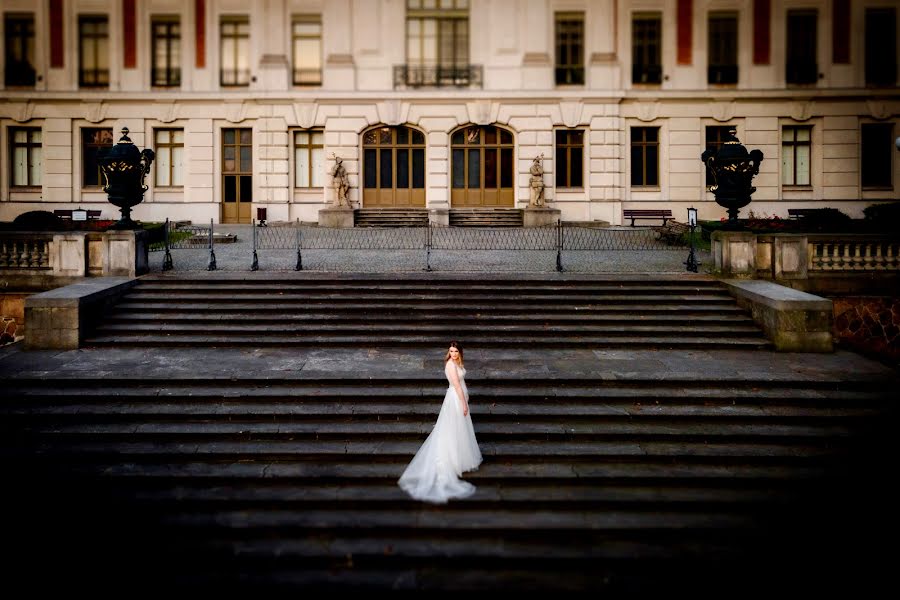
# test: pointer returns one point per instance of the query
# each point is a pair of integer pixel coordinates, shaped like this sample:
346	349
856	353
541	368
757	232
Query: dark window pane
490	135
506	168
652	165
459	137
474	169
576	168
370	165
387	169
418	168
560	137
369	138
246	136
459	168
230	192
490	168
651	134
91	174
402	135
228	136
881	46
637	165
561	164
229	165
402	168
418	137
876	155
505	137
246	189
245	159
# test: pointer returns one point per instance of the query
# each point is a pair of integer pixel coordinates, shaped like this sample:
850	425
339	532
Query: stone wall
869	324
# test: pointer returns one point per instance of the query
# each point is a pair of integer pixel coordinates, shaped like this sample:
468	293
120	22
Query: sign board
79	215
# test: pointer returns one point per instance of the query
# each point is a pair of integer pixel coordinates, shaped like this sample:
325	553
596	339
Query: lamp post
691	262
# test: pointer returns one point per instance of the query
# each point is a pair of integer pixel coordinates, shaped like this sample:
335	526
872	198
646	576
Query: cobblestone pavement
238	255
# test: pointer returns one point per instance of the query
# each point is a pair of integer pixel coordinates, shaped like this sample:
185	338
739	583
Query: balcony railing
722	74
415	76
646	73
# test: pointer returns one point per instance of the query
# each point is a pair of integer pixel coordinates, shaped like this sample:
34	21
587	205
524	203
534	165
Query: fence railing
25	250
431	241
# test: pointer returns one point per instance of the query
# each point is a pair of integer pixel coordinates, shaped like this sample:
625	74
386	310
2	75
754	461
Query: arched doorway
393	167
482	167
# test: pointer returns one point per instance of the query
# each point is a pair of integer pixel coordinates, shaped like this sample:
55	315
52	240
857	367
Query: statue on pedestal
340	181
537	182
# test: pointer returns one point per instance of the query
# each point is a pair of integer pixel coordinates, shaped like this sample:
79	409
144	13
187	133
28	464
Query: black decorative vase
124	169
733	168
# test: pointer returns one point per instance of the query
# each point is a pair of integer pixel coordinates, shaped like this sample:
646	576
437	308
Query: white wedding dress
450	450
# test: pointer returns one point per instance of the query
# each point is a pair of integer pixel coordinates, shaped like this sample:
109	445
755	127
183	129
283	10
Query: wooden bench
671	232
67	214
665	214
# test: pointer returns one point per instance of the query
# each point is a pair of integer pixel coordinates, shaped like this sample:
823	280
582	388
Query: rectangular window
437	42
570	48
166	51
20	70
647	48
881	46
235	51
644	156
306	34
796	150
876	155
723	44
25	156
92	140
169	144
801	65
715	137
93	51
569	158
309	159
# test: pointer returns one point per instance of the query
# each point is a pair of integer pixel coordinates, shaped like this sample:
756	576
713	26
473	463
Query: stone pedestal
439	216
734	253
540	216
336	217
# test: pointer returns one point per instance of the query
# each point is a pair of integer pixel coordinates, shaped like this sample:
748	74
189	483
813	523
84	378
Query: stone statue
340	181
537	181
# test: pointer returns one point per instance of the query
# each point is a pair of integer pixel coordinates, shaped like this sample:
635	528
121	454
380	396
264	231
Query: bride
451	449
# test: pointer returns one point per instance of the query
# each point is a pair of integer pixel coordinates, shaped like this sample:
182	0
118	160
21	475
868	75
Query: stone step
532	318
339	454
419	341
468	330
486	429
178	306
437	298
228	287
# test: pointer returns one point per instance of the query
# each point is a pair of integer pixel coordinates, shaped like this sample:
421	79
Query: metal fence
543	246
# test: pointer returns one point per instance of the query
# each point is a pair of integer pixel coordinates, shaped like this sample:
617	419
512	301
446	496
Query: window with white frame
25	156
309	158
306	42
796	152
169	144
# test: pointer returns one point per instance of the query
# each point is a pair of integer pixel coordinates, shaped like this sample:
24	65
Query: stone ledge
58	319
793	320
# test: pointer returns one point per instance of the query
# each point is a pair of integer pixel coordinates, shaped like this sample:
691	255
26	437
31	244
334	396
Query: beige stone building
444	104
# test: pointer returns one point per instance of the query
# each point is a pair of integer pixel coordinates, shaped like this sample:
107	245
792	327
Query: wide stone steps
486	217
390	217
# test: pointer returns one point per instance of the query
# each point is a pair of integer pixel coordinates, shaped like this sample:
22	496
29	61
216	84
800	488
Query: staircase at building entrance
240	433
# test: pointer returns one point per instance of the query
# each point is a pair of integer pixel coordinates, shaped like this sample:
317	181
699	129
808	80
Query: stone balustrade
837	263
73	254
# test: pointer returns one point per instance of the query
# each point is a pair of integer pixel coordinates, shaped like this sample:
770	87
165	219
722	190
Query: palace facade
444	104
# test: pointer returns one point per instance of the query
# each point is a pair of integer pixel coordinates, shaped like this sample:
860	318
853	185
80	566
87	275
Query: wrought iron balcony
801	72
646	73
415	76
722	74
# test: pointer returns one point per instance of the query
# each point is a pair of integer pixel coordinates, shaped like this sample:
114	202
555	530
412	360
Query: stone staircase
390	217
409	311
591	481
486	217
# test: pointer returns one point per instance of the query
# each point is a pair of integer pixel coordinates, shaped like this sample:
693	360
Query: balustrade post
211	265
299	265
254	264
167	259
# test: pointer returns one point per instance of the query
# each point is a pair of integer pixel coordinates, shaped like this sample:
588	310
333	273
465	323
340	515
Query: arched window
393	167
482	168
